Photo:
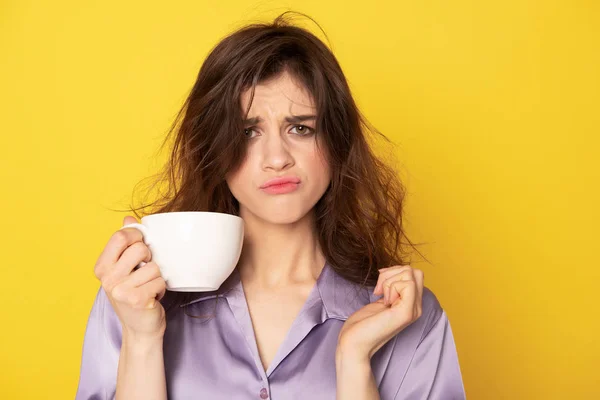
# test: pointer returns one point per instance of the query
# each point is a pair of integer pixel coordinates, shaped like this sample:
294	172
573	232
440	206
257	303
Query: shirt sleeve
101	350
434	372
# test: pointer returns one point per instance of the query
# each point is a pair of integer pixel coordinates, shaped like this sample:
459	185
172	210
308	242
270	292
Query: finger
141	297
153	291
401	313
117	244
385	273
143	275
393	293
130	258
162	294
404	294
129	220
406	274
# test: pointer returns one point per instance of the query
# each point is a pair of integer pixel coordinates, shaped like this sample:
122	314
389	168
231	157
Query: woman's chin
277	214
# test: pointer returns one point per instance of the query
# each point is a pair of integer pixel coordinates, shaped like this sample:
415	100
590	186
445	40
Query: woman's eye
248	132
303	130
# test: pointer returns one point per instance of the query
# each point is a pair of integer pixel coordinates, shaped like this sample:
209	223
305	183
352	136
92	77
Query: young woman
322	303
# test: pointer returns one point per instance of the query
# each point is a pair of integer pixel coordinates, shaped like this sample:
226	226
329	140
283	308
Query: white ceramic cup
195	250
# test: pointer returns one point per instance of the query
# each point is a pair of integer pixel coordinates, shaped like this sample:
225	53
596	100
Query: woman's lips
281	184
282	188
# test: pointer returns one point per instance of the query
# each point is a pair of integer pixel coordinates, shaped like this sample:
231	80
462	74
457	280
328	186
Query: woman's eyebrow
291	119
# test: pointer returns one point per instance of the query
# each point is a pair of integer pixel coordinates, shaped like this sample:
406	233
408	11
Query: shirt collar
338	296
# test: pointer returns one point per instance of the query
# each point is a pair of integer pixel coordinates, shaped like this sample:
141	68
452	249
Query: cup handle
145	237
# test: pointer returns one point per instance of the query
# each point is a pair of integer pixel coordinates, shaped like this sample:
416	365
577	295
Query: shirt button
264	394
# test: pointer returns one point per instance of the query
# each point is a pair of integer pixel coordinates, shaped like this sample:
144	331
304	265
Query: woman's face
279	146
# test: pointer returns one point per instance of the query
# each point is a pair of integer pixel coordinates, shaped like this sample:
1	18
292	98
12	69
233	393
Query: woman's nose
276	152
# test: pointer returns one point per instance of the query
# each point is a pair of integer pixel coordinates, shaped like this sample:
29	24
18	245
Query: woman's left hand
372	326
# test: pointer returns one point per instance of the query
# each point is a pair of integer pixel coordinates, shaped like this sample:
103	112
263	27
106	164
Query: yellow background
494	107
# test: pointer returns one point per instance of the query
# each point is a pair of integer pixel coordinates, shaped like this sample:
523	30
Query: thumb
129	220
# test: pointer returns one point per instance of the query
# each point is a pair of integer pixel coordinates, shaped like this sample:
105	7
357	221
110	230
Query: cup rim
226	215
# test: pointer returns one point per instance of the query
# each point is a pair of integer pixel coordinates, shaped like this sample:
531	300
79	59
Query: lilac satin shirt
217	358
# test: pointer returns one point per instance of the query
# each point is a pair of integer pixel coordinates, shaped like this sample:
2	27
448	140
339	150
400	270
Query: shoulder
423	360
432	311
405	344
398	354
411	336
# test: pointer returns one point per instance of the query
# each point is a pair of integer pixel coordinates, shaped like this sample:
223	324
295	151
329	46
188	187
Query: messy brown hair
359	217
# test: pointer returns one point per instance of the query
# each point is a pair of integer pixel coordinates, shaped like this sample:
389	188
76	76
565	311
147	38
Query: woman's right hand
134	294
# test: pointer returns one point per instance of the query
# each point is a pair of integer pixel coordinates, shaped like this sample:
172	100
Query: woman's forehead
280	91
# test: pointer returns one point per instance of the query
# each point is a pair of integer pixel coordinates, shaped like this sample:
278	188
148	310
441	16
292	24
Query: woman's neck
277	256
